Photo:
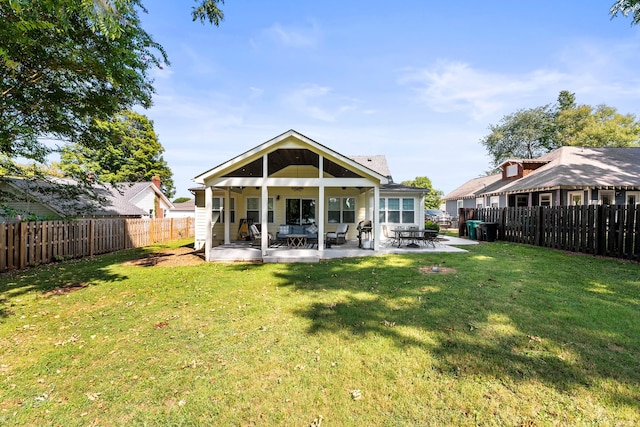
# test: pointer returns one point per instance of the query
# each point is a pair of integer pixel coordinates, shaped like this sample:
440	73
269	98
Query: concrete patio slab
244	252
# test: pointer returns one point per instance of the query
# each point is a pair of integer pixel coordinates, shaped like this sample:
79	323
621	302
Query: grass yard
502	335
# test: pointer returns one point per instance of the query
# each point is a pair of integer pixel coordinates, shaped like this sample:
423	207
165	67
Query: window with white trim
633	197
479	202
575	198
341	209
253	209
512	170
495	201
546	199
408	211
606	197
218	206
460	204
395	210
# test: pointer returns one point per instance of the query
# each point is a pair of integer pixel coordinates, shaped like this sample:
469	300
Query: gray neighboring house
48	200
565	176
183	209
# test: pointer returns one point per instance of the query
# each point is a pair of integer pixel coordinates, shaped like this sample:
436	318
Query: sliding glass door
301	211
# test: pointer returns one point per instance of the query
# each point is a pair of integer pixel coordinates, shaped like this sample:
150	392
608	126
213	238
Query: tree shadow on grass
497	316
61	277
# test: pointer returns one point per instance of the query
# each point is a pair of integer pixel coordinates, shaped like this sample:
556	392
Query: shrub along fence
607	230
25	244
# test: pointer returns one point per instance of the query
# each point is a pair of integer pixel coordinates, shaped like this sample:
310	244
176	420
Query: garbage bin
472	224
480	231
490	231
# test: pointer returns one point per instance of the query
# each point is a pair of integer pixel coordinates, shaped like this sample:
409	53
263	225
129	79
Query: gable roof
296	148
127	191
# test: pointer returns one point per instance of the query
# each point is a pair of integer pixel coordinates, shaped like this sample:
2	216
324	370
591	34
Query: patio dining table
415	235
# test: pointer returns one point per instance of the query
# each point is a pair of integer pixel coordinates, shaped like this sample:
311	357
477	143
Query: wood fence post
600	230
23	245
92	236
537	240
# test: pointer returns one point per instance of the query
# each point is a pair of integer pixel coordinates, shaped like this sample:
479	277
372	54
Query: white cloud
457	87
319	103
255	92
296	37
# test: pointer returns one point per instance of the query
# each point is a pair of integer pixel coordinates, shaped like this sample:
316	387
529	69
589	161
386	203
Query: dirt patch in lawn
437	270
66	289
170	258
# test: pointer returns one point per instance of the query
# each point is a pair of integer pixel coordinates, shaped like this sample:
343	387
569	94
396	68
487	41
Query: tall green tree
530	133
433	197
130	152
64	64
603	126
524	134
57	80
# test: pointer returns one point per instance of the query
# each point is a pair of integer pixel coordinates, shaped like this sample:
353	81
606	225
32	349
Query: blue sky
417	81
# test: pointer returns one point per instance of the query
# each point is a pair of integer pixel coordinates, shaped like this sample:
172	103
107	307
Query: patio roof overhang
289	149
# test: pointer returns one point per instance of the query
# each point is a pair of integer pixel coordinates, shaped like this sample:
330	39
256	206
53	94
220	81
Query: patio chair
339	236
390	238
429	238
257	235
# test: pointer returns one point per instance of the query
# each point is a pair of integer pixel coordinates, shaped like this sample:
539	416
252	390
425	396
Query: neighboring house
565	176
54	199
183	210
146	196
293	180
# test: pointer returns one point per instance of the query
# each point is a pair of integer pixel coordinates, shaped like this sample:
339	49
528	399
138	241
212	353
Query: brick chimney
156	181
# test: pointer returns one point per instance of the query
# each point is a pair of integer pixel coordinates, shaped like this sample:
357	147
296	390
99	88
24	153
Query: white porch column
208	207
376	217
320	217
227	216
264	209
420	219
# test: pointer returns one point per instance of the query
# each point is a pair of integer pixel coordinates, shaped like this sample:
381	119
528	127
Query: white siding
173	213
145	200
200	227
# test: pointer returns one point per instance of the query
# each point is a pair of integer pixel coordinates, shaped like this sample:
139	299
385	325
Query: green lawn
503	335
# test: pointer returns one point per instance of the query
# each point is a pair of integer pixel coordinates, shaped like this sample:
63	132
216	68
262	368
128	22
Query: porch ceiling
281	158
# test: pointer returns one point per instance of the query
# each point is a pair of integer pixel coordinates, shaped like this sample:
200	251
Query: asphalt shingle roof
565	167
583	167
116	197
376	163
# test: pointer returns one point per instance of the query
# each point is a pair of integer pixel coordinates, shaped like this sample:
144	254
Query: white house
292	180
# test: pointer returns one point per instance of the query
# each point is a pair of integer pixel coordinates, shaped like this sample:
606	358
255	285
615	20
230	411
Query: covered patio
245	252
293	189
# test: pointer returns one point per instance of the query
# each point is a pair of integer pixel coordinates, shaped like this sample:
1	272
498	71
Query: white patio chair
339	236
257	235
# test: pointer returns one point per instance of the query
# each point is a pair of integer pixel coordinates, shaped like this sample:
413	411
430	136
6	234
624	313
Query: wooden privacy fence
25	244
612	231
